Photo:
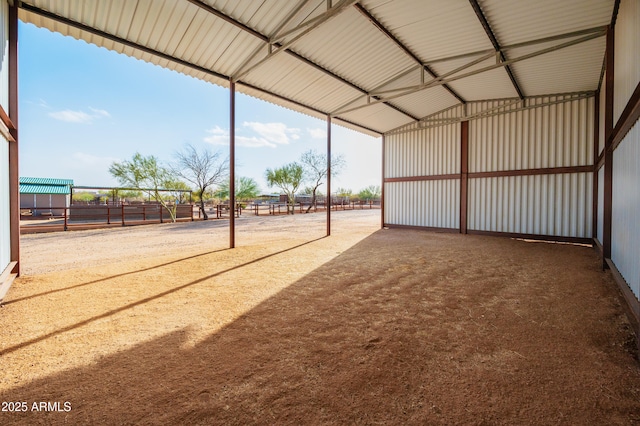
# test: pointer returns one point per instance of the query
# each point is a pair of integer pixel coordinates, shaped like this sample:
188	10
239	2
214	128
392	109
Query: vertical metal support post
232	164
608	153
328	203
596	152
464	174
14	195
382	184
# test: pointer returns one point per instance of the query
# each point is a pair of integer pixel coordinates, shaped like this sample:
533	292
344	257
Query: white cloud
218	136
317	133
266	134
100	112
274	133
71	116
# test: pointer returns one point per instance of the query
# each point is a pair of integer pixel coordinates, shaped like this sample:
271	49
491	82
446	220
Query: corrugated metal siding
601	140
559	135
5	222
600	205
627	56
558	205
4	55
433	203
625	228
426	152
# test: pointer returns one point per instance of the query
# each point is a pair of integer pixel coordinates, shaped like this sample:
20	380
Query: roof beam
404	48
330	13
448	77
496	45
294	54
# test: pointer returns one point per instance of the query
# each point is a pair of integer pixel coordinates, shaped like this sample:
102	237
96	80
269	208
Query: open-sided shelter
514	118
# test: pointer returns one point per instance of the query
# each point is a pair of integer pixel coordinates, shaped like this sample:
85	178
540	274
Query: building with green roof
44	196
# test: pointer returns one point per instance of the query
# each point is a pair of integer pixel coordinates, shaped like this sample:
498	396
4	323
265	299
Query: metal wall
627	59
625	226
552	136
424	152
600	229
5	222
559	135
554	204
434	203
414	157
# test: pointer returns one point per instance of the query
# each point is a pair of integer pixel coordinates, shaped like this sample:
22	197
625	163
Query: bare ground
162	324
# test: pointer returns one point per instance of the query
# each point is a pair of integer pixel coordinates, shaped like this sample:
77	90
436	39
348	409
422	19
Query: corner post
232	164
328	199
14	195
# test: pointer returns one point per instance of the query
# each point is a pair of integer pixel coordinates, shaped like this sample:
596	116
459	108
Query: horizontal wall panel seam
532	172
421	178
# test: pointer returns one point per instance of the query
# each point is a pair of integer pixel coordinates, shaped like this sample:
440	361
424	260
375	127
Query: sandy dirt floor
162	324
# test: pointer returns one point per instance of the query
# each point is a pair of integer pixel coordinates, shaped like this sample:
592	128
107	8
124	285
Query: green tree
315	168
246	189
203	169
288	178
84	197
371	192
147	175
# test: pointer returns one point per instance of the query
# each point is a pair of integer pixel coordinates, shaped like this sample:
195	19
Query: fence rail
91	216
76	217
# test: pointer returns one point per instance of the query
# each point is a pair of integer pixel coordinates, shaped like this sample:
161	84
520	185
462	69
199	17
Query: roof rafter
405	49
496	45
450	76
294	54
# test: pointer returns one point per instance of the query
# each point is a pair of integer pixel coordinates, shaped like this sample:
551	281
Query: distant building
44	196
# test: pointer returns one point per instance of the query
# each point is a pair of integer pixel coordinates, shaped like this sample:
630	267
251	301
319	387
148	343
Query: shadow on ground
405	327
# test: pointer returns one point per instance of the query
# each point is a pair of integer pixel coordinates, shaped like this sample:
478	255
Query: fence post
122	205
160	207
144	213
108	215
65	218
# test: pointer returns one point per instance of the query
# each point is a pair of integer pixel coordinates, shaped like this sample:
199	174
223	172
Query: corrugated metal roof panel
45	181
518	21
432	29
426	102
347	45
43	189
379	116
352	48
572	69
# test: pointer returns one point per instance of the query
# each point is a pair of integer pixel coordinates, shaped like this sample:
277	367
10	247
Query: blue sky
82	107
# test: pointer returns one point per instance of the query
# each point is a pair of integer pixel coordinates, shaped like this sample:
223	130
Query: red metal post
608	153
232	162
464	174
382	187
14	194
329	174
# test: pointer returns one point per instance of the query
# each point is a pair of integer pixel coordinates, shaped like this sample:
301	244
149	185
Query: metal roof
31	185
372	65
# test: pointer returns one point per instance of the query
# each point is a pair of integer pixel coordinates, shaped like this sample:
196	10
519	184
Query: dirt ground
162	324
